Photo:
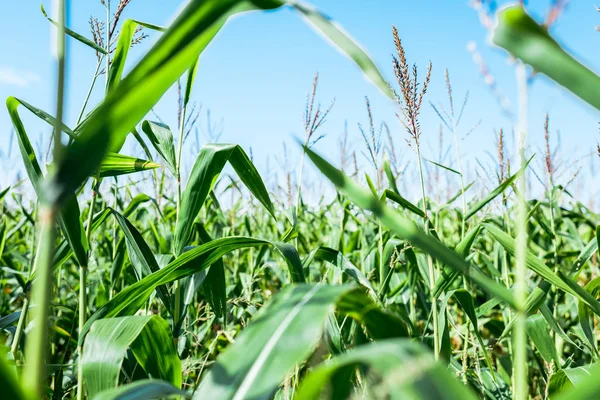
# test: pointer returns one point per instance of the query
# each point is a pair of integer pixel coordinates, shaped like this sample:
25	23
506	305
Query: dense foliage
217	288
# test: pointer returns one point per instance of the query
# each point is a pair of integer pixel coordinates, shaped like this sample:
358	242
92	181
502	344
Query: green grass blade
496	192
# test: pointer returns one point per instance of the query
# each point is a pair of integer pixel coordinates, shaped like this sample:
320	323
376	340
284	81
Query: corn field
128	278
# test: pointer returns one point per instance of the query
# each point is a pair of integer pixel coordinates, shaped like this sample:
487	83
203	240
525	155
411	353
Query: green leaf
348	46
126	35
118	164
210	162
390	175
69	218
141	390
379	323
141	256
406	370
214	285
529	41
9	381
75	35
536	265
161	137
4	192
406	228
579	383
444	167
464	298
449	275
337	258
396	198
593	287
587	252
281	335
106	346
537	330
494	193
133	297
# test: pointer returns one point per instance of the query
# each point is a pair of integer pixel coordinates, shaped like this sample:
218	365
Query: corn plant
110	293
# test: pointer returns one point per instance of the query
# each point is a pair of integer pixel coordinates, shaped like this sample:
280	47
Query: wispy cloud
12	76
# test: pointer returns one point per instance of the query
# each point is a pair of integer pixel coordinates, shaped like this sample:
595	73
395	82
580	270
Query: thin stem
176	287
37	347
35	371
299	194
520	338
107	44
436	344
462	181
20	326
83	270
179	151
89	93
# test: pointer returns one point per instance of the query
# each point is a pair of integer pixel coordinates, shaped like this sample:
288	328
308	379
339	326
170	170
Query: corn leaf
107	343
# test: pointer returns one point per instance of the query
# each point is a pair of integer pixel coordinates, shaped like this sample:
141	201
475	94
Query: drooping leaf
209	164
75	35
132	298
342	40
161	137
69	217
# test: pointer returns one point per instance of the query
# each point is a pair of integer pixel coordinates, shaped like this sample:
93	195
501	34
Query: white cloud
12	76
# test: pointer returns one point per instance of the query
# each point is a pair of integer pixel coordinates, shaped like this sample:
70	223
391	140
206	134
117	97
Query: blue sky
256	74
